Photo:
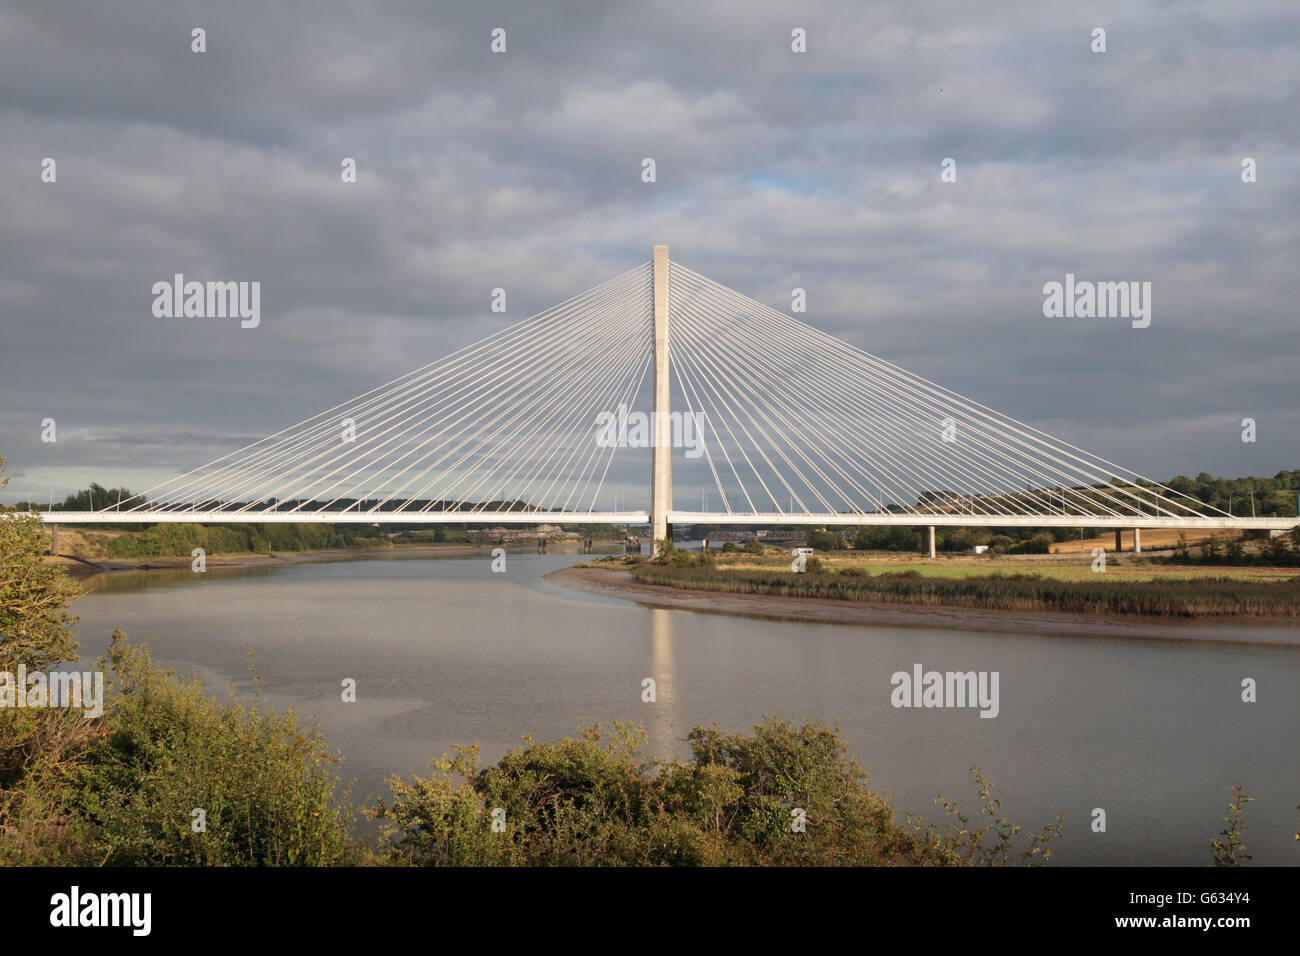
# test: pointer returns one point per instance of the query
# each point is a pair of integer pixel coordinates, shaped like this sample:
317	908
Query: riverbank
80	568
621	584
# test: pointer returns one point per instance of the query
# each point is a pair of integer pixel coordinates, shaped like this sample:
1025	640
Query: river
445	651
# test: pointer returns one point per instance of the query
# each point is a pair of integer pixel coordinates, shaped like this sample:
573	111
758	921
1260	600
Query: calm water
444	652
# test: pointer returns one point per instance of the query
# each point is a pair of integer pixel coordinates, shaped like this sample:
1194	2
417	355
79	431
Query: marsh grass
1189	598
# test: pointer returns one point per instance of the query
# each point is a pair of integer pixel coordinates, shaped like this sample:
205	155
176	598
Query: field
1064	567
1153	539
1131	585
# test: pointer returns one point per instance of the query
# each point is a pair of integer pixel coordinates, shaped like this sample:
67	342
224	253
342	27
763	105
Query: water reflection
444	652
665	730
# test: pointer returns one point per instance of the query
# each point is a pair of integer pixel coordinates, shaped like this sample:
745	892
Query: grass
1121	567
1196	596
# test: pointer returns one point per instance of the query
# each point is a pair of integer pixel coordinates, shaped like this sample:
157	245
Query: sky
522	170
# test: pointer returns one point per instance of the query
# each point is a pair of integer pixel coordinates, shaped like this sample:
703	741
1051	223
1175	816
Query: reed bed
1203	597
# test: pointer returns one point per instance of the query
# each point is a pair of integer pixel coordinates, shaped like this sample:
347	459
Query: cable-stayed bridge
657	375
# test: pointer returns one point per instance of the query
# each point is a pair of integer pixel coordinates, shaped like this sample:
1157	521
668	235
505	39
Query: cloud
522	171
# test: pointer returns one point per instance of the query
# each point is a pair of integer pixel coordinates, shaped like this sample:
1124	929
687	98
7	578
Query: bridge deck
674	517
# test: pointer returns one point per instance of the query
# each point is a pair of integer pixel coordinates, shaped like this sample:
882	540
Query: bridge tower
661	480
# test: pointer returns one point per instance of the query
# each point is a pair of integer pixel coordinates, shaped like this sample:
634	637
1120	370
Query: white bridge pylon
775	421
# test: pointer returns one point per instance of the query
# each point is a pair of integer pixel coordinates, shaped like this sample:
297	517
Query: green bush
35	627
265	780
120	790
824	541
887	538
1038	544
958	539
179	540
597	801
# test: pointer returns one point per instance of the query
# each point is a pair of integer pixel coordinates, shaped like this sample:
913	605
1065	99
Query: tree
1038	544
824	540
35	627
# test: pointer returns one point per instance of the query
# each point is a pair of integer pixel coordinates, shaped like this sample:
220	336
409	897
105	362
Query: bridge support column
931	537
661	479
1119	541
54	539
1137	540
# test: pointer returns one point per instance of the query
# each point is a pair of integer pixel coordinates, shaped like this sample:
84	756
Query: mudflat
621	584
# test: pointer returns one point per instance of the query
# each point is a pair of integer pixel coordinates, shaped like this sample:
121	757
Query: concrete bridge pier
1137	540
54	539
661	481
930	535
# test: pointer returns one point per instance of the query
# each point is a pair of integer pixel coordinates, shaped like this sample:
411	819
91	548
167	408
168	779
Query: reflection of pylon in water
664	717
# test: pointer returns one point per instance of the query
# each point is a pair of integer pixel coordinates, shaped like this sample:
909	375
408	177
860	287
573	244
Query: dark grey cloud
522	170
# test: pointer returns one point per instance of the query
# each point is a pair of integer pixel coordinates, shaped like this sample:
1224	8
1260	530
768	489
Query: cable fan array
793	421
798	422
504	424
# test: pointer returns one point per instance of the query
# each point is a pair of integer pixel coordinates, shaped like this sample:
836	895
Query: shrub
964	841
264	780
120	790
35	627
824	541
958	539
890	538
1038	544
596	800
1230	851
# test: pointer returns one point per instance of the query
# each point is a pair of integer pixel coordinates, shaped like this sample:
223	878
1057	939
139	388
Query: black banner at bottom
304	906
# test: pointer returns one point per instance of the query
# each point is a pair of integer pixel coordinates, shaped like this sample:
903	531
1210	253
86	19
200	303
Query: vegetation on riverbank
784	795
1202	595
167	775
127	541
170	777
